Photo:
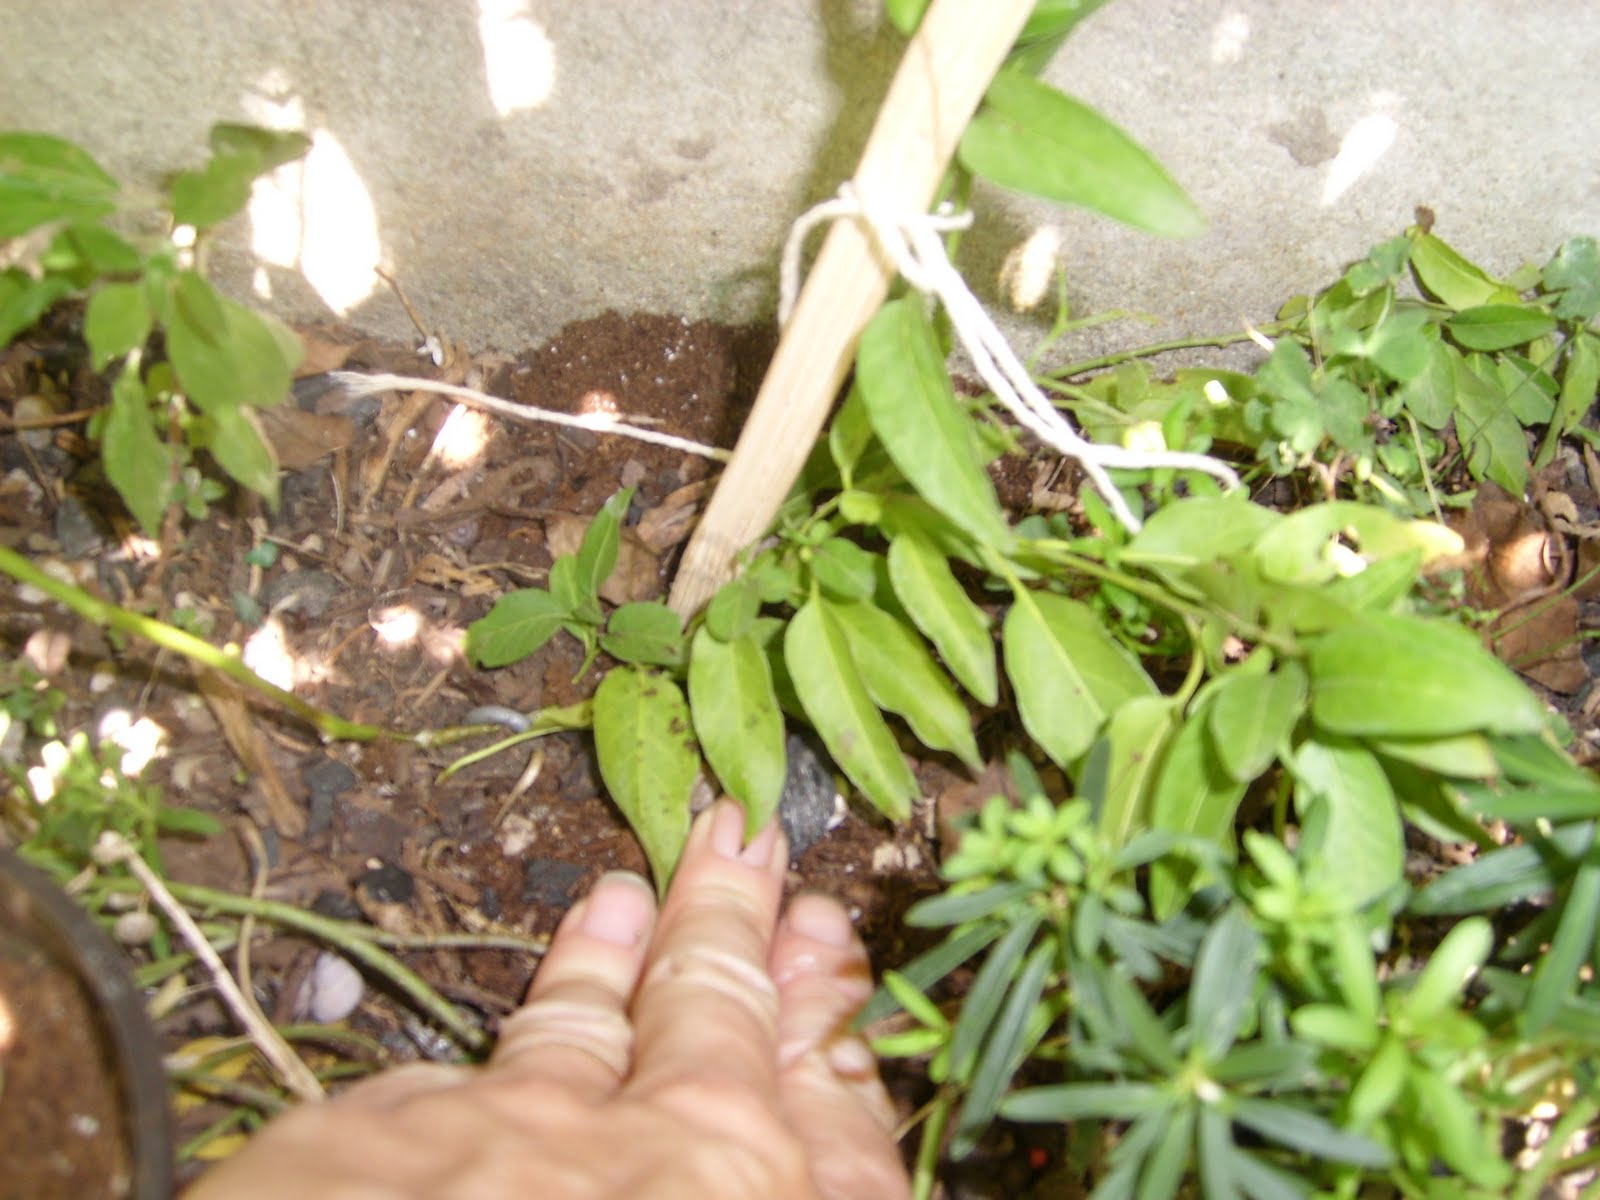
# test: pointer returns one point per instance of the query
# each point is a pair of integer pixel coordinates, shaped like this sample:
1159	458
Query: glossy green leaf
519	624
1580	379
1454	280
849	433
1574	272
1353	835
580	603
817	652
1464	756
136	460
734	609
1253	715
1224	979
1030	137
738	722
936	601
1069	674
1404	676
901	677
117	320
1452	963
1337	1027
901	373
1134	739
1356	969
1497	448
645	632
45	178
648	760
1572	946
1499	326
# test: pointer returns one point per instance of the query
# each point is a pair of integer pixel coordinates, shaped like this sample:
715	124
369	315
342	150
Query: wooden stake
946	70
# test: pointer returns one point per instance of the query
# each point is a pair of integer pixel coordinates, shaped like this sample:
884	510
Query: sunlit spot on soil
397	625
142	741
268	654
599	408
463	438
8	1027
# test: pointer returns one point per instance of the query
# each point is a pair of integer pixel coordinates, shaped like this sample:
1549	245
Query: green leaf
1497	448
519	624
905	15
1166	1165
1253	715
1499	326
1007	1045
135	459
215	192
1466	1142
1380	1083
900	370
1453	962
23	300
1465	756
648	760
1504	876
597	553
933	965
1218	1156
1579	380
849	433
989	987
1354	839
1075	1101
645	632
1068	672
928	589
117	320
92	249
251	361
1574	272
1224	979
737	720
1339	1028
241	449
734	609
916	1005
580	603
1199	530
1572	946
44	179
1135	736
1032	138
1431	395
844	570
817	653
956	908
1194	796
272	147
1299	1129
1404	676
1457	282
900	676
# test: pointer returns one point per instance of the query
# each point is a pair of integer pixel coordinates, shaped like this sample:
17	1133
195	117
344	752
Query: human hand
700	1053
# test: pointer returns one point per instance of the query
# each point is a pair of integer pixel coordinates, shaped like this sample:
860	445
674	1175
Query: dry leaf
300	438
669	522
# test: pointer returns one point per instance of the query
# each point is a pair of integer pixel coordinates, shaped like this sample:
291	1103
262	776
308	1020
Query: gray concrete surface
661	162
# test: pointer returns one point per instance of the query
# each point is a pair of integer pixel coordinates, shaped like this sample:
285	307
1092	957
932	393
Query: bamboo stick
946	70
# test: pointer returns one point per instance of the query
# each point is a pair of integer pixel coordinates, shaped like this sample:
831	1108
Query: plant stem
226	661
1082	367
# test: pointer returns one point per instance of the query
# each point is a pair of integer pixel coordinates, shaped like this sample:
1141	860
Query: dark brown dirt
61	1120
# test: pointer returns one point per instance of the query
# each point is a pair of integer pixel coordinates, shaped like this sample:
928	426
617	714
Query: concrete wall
521	163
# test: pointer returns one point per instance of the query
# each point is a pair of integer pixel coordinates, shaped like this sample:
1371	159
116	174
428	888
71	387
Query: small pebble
134	928
810	804
332	991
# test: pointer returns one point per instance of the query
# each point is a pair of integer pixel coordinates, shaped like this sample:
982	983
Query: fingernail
762	847
821	920
852	1058
619	910
727	836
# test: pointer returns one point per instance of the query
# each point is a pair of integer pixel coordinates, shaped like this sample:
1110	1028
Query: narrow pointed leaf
648	760
930	593
901	373
1299	1129
134	456
1572	946
1007	1046
737	720
1033	138
817	653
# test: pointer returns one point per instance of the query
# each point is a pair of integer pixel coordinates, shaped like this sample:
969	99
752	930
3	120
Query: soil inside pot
62	1123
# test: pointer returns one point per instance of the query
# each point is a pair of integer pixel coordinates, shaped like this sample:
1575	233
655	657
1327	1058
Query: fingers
706	1011
828	1076
574	1029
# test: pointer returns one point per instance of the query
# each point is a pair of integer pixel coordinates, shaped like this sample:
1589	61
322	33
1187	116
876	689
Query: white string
914	245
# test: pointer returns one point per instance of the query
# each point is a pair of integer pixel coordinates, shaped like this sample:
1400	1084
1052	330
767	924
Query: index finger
706	1010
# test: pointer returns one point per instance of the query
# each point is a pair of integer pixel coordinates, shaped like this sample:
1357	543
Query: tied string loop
913	243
